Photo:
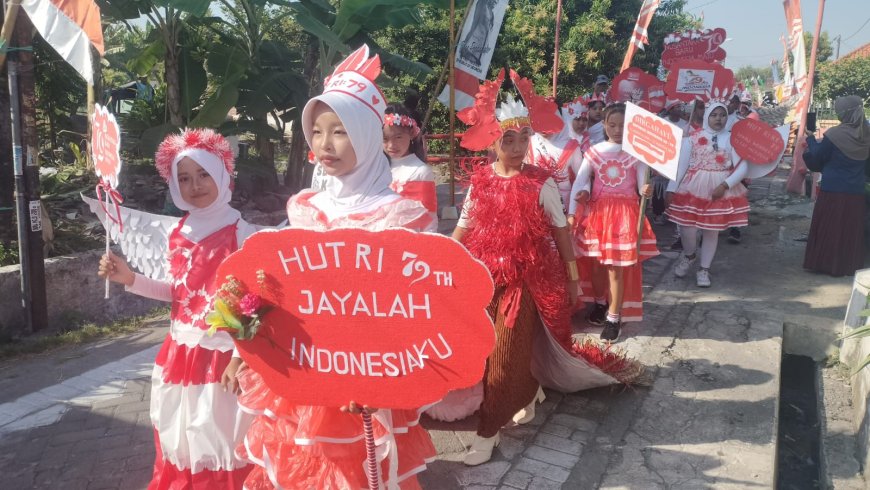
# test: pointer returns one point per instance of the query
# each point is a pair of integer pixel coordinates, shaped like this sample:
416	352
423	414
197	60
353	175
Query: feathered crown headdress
718	96
602	97
355	76
576	108
200	139
486	124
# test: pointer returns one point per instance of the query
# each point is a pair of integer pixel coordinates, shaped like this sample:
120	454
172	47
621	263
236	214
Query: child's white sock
613	317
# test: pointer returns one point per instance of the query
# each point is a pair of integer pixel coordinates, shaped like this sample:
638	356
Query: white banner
652	140
474	49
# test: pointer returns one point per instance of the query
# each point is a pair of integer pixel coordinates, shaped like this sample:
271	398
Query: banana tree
165	44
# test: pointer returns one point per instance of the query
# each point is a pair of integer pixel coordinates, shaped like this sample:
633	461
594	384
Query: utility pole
7	186
22	101
838	38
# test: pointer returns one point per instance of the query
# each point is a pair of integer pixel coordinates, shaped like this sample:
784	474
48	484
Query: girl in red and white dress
558	153
315	447
606	238
576	115
197	421
707	194
413	178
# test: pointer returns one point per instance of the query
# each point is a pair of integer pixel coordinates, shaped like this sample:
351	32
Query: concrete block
484	474
546	470
561	444
550	456
518	479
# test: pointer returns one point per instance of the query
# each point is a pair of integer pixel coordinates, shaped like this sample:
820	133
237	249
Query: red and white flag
474	50
70	27
639	36
796	44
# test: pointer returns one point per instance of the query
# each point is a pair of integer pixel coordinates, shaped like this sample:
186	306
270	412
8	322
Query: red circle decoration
106	145
756	142
391	319
694	45
640	88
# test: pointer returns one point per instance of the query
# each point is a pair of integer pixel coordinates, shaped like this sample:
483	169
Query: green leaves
847	76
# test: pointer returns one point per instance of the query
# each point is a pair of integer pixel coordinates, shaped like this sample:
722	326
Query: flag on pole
639	36
474	49
70	27
796	44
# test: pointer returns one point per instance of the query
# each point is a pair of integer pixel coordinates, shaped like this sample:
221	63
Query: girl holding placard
197	421
606	241
707	196
301	446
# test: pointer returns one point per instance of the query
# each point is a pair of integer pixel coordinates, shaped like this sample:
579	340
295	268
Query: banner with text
652	140
391	319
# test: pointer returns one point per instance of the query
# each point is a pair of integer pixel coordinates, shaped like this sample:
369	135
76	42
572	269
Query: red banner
393	319
694	45
756	142
639	87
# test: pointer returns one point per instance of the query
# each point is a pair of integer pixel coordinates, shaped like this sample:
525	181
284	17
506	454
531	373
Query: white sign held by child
652	140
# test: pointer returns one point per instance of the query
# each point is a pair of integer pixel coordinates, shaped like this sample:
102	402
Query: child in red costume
197	423
610	181
512	220
314	447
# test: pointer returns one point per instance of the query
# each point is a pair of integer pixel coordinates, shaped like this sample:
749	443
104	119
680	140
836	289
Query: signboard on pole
391	319
702	45
692	79
639	87
652	140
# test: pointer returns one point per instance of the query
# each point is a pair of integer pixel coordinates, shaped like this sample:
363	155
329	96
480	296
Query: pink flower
249	304
720	158
702	140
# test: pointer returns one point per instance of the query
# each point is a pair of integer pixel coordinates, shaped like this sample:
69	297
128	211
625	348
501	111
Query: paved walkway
78	417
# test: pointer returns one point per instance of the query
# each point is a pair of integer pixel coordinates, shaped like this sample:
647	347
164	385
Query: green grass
80	334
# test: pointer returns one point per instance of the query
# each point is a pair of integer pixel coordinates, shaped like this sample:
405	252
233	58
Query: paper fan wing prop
543	112
145	240
483	127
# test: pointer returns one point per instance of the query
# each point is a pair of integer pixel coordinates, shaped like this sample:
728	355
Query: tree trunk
298	173
171	68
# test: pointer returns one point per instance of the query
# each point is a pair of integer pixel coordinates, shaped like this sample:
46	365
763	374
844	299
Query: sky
754	26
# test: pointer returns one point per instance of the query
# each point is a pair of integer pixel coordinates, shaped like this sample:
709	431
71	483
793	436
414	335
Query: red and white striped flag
70	27
639	36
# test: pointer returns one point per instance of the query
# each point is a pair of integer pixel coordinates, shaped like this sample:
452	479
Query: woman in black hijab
836	241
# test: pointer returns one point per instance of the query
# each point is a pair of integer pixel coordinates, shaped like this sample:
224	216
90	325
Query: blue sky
754	26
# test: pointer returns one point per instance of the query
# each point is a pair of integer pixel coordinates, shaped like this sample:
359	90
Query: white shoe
702	278
683	265
525	415
481	450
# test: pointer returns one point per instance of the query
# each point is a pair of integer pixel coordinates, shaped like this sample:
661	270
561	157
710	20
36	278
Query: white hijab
202	222
367	186
707	112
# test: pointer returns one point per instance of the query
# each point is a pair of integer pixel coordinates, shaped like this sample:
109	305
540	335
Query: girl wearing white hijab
297	446
707	194
197	420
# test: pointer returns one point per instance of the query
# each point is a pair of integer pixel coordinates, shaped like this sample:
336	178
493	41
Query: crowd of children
554	218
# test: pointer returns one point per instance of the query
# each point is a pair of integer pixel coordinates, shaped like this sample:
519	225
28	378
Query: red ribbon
115	197
510	305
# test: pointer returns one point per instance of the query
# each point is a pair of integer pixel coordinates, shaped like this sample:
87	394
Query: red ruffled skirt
693	205
305	447
609	233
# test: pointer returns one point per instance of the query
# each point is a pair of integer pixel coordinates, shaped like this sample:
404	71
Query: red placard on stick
756	142
652	140
639	87
391	319
693	79
694	45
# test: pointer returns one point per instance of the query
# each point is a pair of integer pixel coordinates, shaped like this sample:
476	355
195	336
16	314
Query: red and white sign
693	79
652	140
639	87
756	142
106	145
694	45
393	319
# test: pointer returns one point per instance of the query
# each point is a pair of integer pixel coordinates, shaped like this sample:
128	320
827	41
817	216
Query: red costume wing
543	113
